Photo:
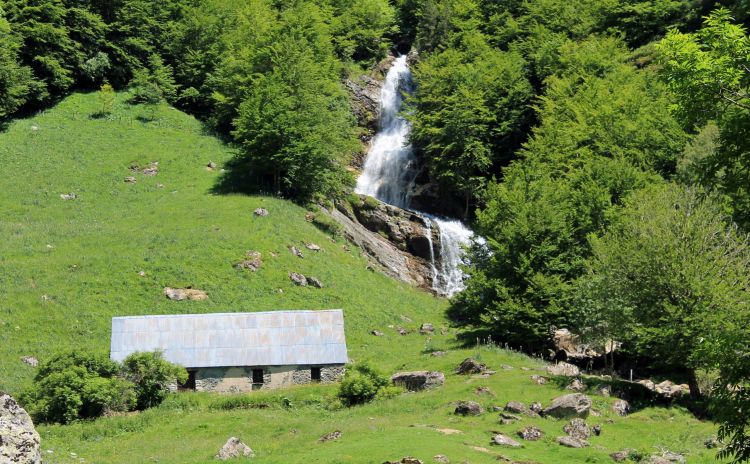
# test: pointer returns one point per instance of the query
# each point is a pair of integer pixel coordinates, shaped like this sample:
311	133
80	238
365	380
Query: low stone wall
240	379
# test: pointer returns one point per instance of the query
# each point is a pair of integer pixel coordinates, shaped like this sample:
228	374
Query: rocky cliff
401	243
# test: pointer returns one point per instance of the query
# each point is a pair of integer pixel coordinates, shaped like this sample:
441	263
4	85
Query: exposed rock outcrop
234	448
572	405
468	408
179	294
19	441
394	261
418	380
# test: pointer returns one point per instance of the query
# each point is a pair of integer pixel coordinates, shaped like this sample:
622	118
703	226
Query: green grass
67	267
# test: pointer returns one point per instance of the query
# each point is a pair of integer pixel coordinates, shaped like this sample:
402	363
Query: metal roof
272	338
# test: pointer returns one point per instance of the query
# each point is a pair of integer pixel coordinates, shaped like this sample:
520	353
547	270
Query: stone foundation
240	379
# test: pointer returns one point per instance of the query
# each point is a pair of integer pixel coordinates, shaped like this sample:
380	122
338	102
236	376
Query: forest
601	148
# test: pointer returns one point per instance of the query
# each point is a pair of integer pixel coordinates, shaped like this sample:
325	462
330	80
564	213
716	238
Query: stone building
236	352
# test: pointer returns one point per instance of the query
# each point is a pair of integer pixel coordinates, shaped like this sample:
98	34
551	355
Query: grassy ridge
63	296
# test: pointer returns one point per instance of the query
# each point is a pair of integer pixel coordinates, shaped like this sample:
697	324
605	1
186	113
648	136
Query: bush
361	384
151	374
328	224
75	385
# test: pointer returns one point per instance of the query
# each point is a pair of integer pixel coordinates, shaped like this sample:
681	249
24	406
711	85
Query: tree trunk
695	391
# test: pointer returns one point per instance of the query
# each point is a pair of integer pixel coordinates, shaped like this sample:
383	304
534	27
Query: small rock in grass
622	455
315	282
564	369
377	333
441	459
484	391
179	294
515	407
296	251
576	385
504	440
335	435
471	366
211	166
418	380
234	448
406	460
531	433
160	186
438	354
468	408
298	279
405	318
577	428
312	246
539	379
34	128
260	212
566	406
68	196
572	442
621	407
130	180
426	328
536	407
30	360
402	331
597	429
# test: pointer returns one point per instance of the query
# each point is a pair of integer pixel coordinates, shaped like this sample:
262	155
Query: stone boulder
406	460
504	440
261	212
515	407
536	408
531	433
19	441
564	369
441	459
314	282
622	455
234	448
471	366
621	407
418	380
251	262
298	279
30	360
572	442
577	428
296	251
426	328
179	294
670	389
576	385
331	436
468	408
539	379
567	406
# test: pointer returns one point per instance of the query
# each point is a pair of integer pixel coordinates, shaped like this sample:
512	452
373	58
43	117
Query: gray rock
484	390
564	369
68	196
669	389
315	282
539	379
260	212
504	440
234	448
621	407
572	442
536	408
312	247
576	385
471	366
418	380
130	180
622	455
30	360
577	428
507	418
426	328
179	294
468	408
19	441
667	457
441	459
296	251
252	262
298	279
377	333
567	406
406	460
531	433
211	166
332	436
438	354
515	407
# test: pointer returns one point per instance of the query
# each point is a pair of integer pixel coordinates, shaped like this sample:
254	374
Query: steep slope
68	266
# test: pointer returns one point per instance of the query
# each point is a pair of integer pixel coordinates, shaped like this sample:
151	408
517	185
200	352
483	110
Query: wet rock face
19	441
389	236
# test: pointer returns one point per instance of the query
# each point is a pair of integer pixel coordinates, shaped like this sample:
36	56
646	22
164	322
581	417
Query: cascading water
389	172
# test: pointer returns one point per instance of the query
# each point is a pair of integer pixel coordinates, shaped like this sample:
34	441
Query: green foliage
96	68
17	83
710	72
362	383
151	376
360	28
77	385
106	97
153	85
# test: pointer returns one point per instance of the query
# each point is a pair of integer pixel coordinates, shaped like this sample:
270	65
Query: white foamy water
389	172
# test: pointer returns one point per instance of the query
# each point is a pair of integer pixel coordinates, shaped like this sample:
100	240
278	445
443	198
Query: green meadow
68	266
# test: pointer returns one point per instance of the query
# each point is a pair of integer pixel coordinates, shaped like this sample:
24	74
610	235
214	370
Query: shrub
151	374
328	224
361	384
77	385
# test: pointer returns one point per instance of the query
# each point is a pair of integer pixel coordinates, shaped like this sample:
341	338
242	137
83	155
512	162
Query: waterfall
389	172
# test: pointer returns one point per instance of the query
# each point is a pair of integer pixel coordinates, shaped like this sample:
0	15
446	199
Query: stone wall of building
240	379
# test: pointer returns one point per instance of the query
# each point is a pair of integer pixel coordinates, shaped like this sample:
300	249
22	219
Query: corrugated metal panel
273	338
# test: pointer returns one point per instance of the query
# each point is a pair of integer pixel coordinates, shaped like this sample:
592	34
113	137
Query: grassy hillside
68	266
